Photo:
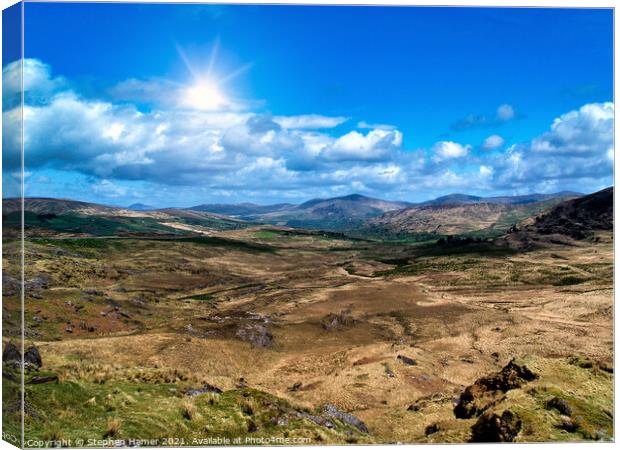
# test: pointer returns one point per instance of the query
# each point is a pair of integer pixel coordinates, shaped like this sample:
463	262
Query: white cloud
588	130
575	151
505	112
254	154
492	142
379	126
486	171
354	146
448	150
309	121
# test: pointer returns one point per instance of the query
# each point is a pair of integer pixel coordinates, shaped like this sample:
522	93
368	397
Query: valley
190	323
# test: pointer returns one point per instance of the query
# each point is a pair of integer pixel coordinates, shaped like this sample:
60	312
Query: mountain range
447	215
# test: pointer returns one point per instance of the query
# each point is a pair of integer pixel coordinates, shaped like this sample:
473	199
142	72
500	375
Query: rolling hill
456	218
339	213
461	199
242	210
49	215
576	219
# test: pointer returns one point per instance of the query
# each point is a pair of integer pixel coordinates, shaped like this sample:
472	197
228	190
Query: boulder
11	354
38	282
257	335
32	358
295	387
41	380
431	429
477	398
334	321
10	285
406	360
568	424
206	389
493	428
561	405
317	419
345	417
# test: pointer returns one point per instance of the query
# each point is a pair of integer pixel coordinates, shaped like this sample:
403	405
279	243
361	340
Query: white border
468	3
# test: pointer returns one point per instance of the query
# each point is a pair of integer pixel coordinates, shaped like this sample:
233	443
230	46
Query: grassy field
285	322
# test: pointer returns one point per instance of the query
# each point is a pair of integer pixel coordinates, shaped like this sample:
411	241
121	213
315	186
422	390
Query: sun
205	95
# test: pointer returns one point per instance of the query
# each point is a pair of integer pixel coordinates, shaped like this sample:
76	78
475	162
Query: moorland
346	320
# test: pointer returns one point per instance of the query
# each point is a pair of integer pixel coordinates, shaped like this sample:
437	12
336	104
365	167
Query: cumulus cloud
492	142
231	149
245	154
588	130
376	145
448	150
574	151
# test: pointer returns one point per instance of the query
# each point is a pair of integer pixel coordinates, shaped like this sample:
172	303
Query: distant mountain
578	219
49	215
452	218
57	206
460	199
241	209
333	213
140	207
454	199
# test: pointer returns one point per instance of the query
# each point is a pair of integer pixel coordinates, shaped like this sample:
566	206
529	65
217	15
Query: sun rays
206	91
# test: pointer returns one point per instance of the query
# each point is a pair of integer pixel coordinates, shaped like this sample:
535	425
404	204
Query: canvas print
306	225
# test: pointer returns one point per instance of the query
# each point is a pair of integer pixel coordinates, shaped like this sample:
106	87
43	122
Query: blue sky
404	103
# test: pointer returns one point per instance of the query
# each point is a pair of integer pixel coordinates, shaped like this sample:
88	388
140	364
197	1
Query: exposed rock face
317	419
295	387
41	380
493	428
207	388
11	354
334	321
10	285
32	358
431	429
38	282
561	405
406	360
257	335
344	417
477	398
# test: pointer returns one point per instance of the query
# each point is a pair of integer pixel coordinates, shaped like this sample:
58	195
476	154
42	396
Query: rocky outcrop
345	417
493	428
257	335
11	354
479	397
334	321
32	358
206	389
406	360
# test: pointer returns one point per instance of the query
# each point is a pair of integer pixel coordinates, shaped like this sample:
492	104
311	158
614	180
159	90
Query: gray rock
32	358
406	360
257	335
561	405
11	354
206	389
345	417
317	419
